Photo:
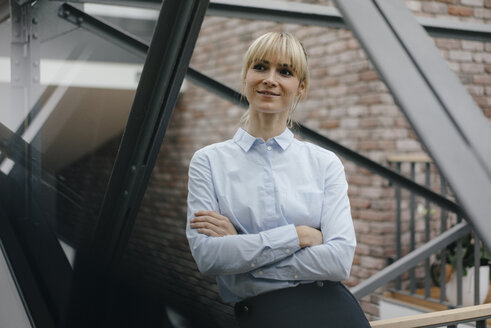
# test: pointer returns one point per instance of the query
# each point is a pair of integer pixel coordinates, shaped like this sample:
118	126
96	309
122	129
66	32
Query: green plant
451	257
467	253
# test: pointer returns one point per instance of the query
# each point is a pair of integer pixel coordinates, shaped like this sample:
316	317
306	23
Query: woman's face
271	86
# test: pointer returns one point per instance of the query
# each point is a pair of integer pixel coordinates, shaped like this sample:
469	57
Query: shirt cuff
275	273
284	238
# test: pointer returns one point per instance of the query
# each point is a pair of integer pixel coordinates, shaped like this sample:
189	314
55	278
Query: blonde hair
271	45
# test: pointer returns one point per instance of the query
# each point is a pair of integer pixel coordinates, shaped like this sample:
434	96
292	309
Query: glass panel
61	127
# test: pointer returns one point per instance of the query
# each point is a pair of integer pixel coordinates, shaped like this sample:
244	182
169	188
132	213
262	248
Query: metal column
165	67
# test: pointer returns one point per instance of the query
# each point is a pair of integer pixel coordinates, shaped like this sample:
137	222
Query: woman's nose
270	78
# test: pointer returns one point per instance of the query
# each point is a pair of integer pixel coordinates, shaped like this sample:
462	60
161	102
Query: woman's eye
286	72
259	67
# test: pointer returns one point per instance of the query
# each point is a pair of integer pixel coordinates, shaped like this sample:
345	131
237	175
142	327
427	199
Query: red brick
336	47
370	215
370	99
460	11
482	79
330	81
482	13
360	202
434	7
472	68
360	180
487	3
368	75
369	122
332	124
382	227
368	145
472	45
448	43
482	101
351	282
372	263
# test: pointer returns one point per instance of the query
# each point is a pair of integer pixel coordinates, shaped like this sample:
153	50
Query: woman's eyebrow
279	64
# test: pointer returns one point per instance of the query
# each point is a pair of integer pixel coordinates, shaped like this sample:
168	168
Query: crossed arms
282	253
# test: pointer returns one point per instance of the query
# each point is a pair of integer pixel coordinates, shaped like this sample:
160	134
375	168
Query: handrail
434	319
410	260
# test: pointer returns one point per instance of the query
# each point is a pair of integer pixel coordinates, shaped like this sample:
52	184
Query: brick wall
347	102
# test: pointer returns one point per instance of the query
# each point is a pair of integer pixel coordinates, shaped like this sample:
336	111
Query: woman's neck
266	126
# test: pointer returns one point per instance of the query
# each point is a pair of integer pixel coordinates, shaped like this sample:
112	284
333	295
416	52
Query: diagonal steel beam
465	115
396	45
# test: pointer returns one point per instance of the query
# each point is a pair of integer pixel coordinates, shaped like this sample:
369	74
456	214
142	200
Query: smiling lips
267	93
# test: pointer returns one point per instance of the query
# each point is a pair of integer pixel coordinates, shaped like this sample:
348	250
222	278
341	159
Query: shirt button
269	148
287	251
260	273
245	309
295	276
320	283
252	265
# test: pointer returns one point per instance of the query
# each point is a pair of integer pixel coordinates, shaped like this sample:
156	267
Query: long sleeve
230	254
332	260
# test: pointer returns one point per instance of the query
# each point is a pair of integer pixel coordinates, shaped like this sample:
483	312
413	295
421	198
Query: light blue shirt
266	189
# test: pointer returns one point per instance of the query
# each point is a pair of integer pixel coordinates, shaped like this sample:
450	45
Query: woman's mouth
267	93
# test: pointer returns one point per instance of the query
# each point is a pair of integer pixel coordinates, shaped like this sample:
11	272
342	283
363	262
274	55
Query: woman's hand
308	236
212	224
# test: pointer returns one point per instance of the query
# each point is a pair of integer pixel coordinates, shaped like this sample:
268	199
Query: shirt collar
285	139
245	140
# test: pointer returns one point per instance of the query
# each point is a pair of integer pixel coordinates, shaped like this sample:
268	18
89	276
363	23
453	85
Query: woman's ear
301	89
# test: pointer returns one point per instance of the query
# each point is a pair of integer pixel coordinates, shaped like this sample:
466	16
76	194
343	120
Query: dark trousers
321	304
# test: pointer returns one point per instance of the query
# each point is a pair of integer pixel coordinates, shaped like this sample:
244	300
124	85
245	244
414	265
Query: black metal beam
408	62
278	11
103	29
165	67
440	28
319	15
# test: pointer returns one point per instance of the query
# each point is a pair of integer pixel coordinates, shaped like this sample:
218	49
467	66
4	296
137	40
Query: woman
269	215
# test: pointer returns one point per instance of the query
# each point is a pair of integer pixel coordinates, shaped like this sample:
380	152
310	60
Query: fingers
207	228
208	219
203	224
208	232
213	214
212	221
